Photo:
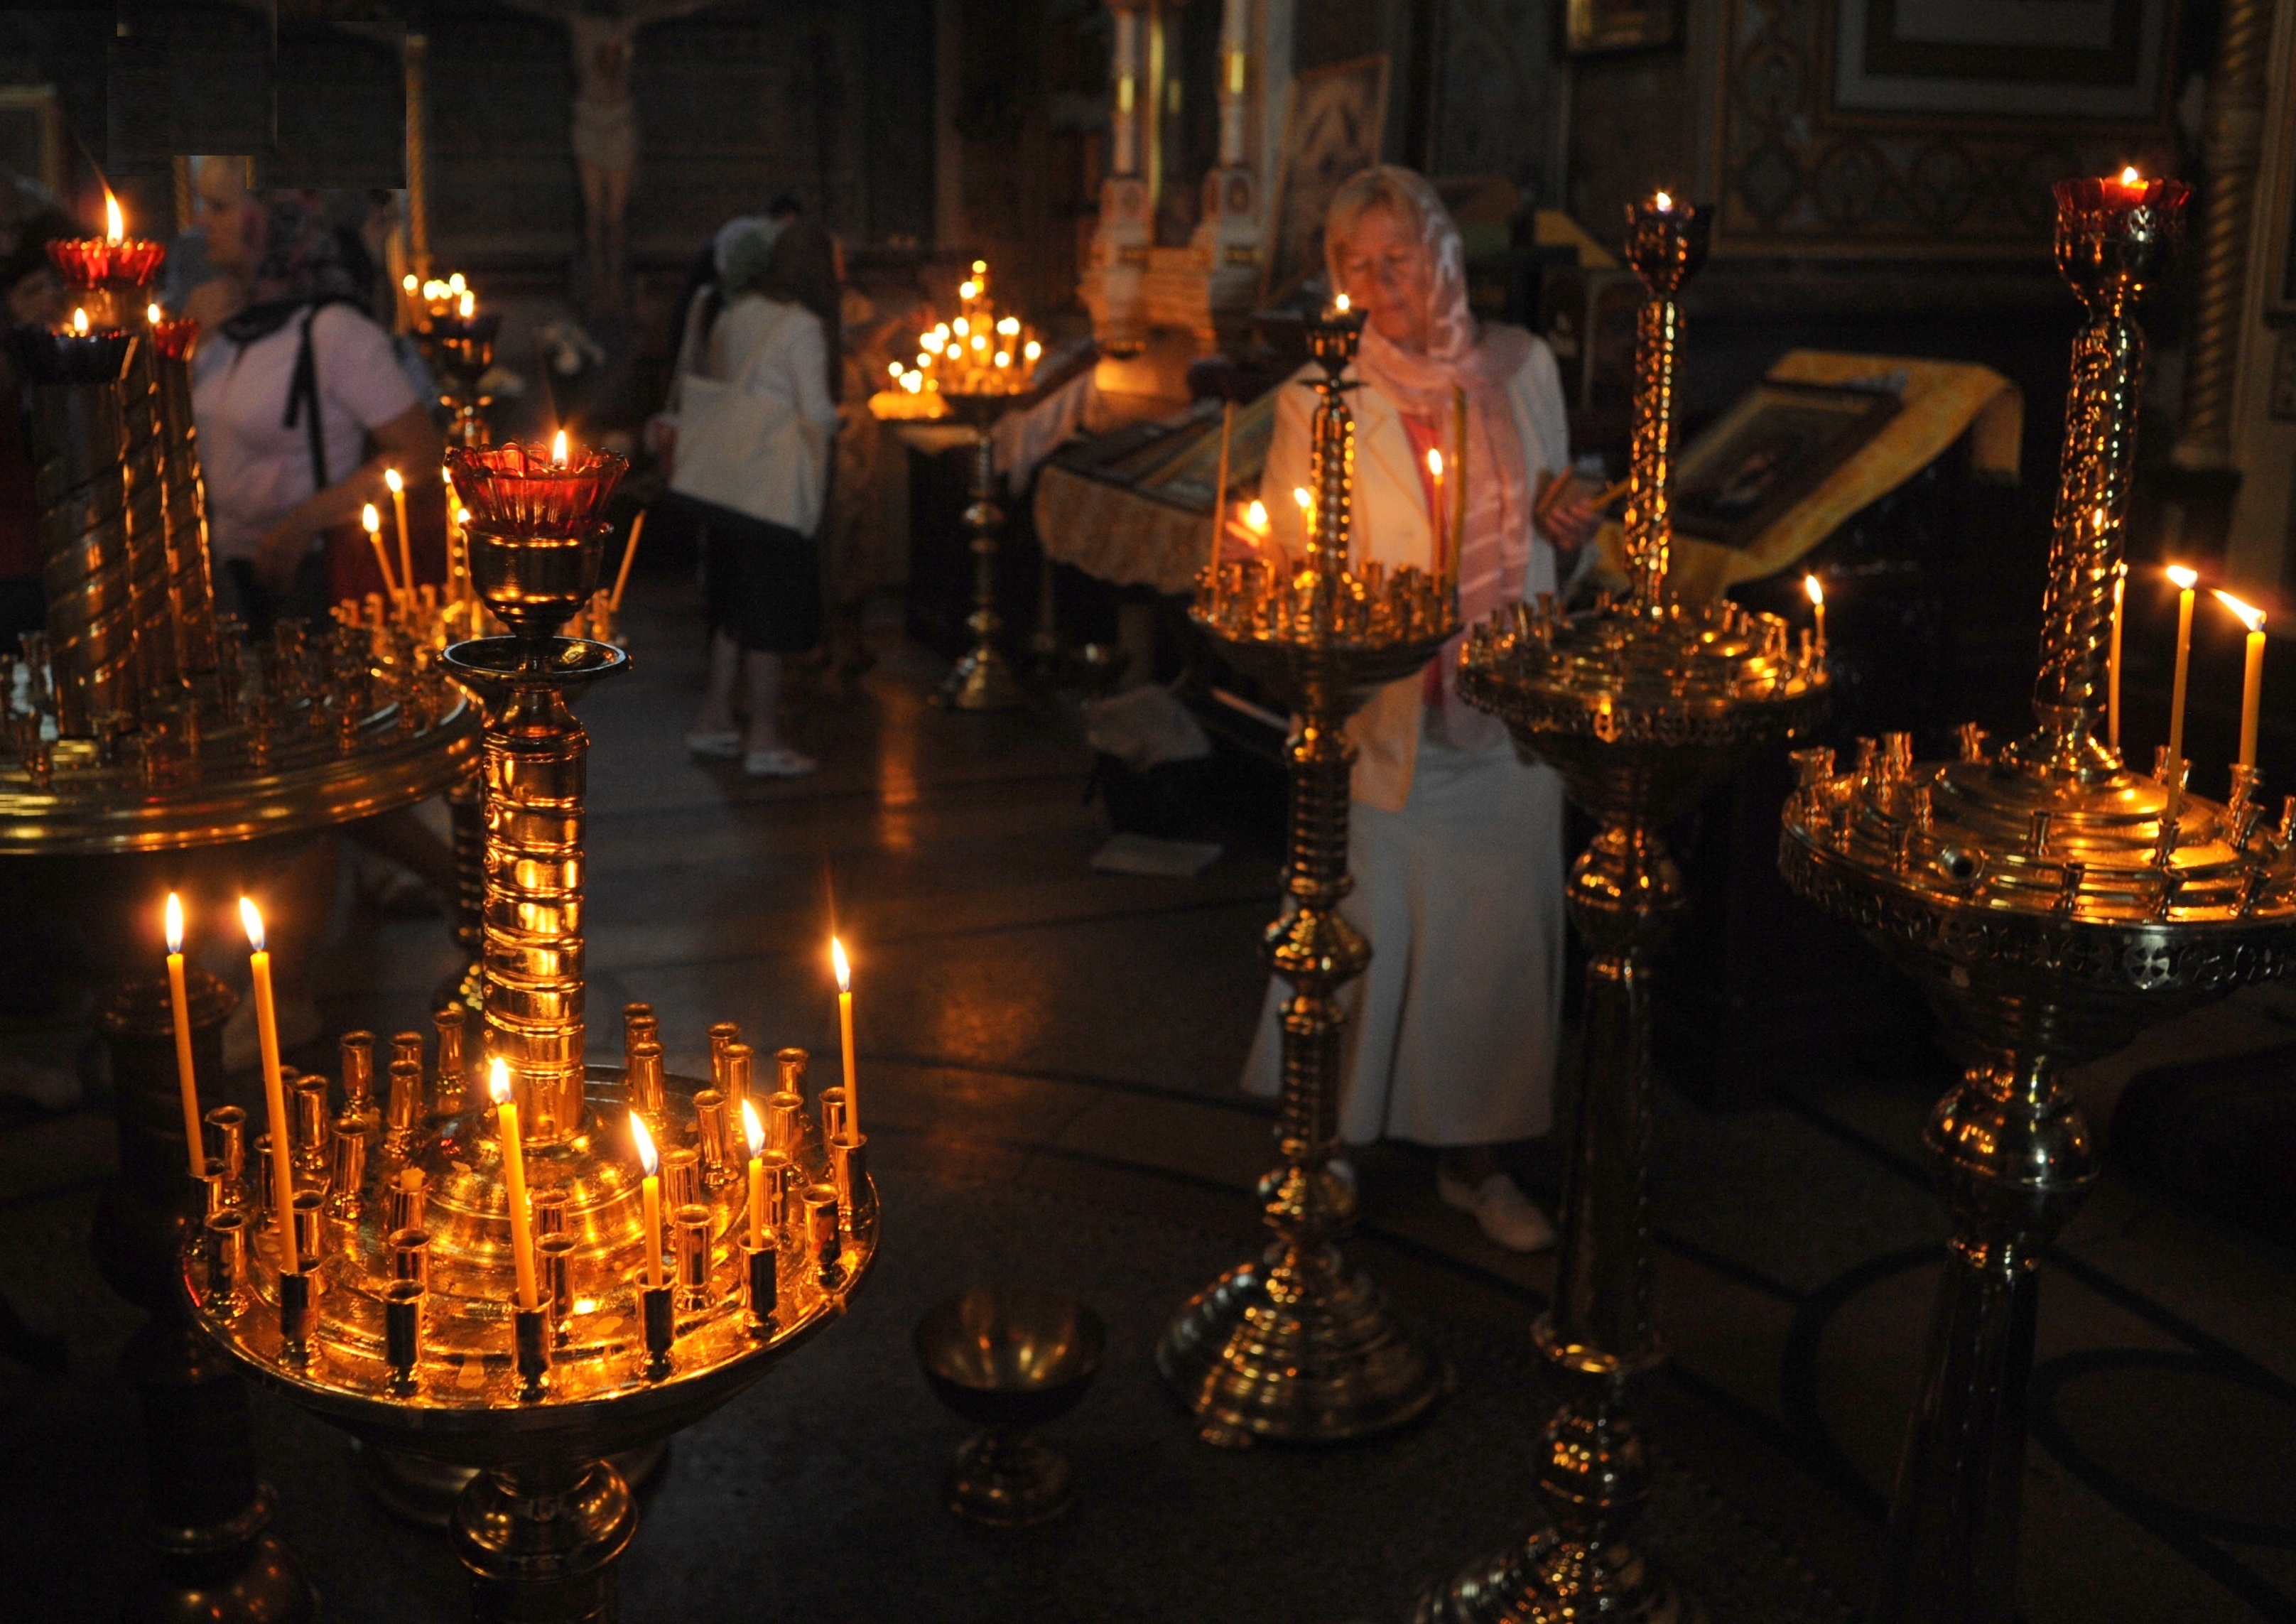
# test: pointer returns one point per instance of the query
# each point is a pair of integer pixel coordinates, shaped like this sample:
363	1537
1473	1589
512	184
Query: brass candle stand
1640	706
1294	1346
2053	904
982	678
123	775
403	1324
463	349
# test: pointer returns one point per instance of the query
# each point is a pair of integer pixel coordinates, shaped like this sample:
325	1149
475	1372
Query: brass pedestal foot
1302	1352
425	1492
541	1542
1009	1480
982	680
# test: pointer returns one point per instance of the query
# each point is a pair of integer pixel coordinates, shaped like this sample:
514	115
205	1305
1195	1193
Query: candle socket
681	1177
310	1217
403	1206
760	1270
832	1114
690	1256
2245	783
789	1071
407	1047
358	1073
312	1119
295	1291
778	1169
549	1208
849	1169
402	1332
709	1130
553	1268
266	1176
723	1036
346	1164
530	1328
406	1105
740	1060
640	1025
452	1023
821	1233
410	1256
227	1259
218	1193
226	1133
785	1120
641	1085
660	1329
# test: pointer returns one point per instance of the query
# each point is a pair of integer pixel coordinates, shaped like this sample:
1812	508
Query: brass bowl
1008	1359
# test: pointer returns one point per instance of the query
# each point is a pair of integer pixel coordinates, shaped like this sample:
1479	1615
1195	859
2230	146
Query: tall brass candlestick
1640	707
2053	904
1294	1345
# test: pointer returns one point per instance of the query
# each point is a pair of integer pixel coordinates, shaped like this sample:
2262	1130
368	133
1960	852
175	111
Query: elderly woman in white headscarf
1456	842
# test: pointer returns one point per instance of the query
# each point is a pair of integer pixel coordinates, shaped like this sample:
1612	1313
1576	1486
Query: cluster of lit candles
978	352
441	299
505	1107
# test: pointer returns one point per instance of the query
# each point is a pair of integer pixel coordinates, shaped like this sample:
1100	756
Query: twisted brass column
149	565
77	408
2231	144
182	501
1294	1345
2053	904
1640	708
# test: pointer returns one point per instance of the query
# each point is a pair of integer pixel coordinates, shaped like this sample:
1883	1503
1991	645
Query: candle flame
371	519
646	1157
114	225
468	306
838	962
1435	462
1811	585
391	478
558	448
2129	176
174	922
753	1128
1255	515
1032	349
2185	579
498	1081
2249	615
1341	304
251	917
971	289
154	315
79	322
455	283
408	282
1663	200
981	267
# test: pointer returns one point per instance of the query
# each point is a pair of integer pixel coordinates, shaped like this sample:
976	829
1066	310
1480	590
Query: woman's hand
1572	525
280	555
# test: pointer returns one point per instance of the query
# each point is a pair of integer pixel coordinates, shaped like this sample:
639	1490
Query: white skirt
1451	1033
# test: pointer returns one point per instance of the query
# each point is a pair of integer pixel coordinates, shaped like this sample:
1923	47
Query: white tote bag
752	453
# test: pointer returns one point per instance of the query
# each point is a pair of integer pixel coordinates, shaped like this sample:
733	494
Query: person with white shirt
1455	842
290	389
761	337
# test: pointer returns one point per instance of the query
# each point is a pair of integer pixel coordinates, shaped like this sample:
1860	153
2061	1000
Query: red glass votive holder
518	490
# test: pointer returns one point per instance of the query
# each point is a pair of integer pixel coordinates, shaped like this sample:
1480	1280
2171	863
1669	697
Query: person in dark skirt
757	506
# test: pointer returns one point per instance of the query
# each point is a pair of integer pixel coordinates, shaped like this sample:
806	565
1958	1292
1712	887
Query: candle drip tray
558	661
467	1403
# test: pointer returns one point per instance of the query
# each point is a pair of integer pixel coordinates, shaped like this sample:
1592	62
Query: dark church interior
1470	811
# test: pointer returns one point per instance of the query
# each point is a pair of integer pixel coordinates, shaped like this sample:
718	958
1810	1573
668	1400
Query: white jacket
1391	525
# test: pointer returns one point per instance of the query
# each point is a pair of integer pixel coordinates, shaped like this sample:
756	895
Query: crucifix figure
604	133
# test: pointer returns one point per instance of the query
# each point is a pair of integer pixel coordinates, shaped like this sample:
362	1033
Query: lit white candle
2252	687
179	1005
845	1031
399	516
275	1089
755	1131
2186	580
513	1154
651	1204
1816	590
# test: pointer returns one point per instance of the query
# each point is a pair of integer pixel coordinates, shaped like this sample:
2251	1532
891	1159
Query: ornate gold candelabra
982	678
402	1324
1640	706
2052	904
463	349
1294	1345
145	744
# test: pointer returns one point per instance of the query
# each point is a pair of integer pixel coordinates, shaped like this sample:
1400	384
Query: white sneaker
778	763
1506	1215
715	746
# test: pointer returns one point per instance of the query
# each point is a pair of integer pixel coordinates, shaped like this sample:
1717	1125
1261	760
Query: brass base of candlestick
541	1541
982	680
1296	1348
425	1492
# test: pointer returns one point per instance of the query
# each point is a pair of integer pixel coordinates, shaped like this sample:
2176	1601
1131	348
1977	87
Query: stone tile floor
1030	1023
